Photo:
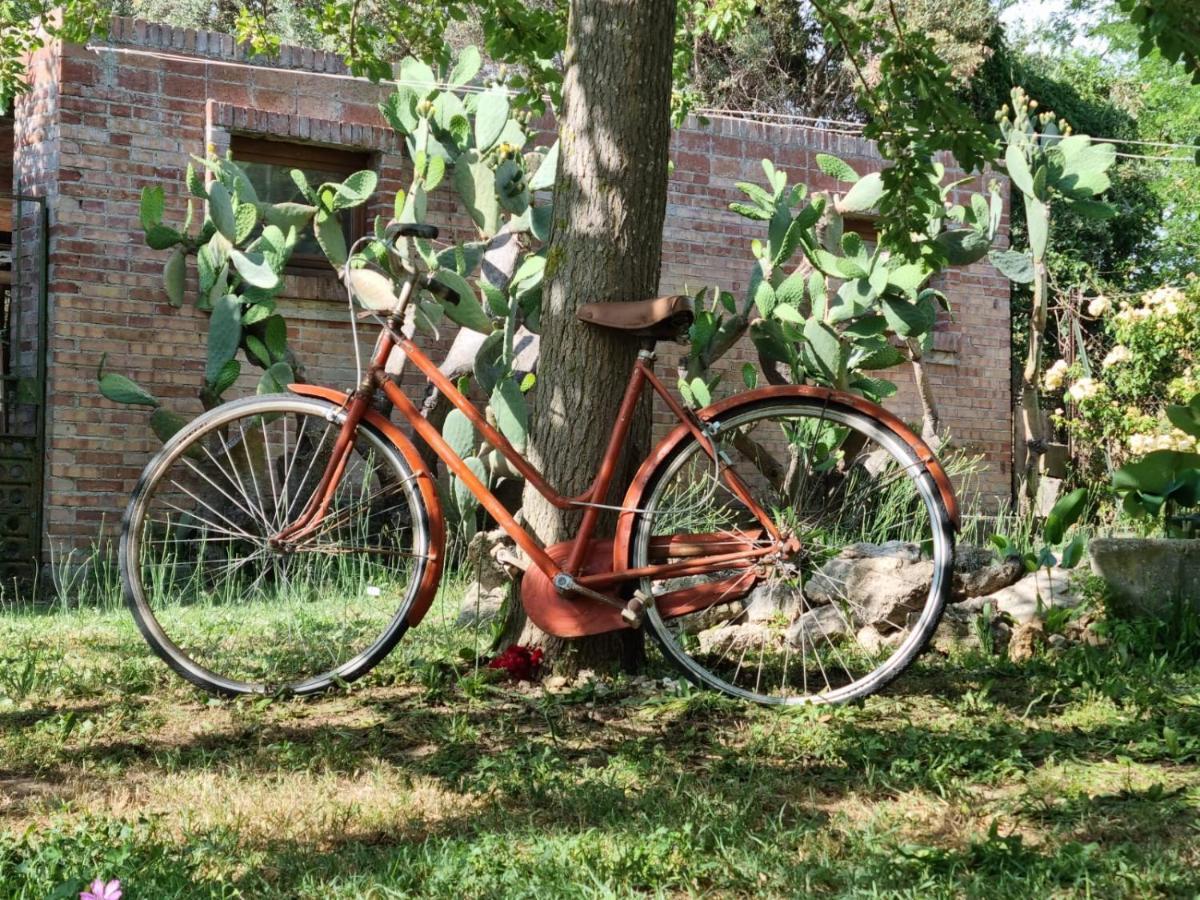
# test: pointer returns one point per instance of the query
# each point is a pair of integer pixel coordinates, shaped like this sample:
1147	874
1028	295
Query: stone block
1148	576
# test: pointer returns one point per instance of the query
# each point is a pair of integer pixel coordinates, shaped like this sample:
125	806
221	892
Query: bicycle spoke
826	482
253	477
233	468
241	611
219	490
232	529
270	469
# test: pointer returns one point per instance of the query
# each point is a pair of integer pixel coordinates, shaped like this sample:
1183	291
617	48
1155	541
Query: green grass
1073	775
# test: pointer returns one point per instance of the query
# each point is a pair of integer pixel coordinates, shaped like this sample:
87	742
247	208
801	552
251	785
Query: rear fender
636	494
427	590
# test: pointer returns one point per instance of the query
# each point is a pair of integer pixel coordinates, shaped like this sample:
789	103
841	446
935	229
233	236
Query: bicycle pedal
634	612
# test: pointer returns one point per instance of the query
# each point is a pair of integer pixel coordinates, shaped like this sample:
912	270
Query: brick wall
6	153
101	125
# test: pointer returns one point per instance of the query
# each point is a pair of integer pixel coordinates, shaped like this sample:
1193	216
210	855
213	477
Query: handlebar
439	290
411	229
400	230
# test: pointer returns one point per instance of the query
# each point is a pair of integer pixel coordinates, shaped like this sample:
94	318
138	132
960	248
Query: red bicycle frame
695	554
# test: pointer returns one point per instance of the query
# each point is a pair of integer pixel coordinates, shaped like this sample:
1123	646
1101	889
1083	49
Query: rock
817	624
772	599
487	592
1027	639
960	630
974	605
987	579
890	550
957	629
873	640
971	558
704	619
1148	576
733	640
880	583
555	683
1058	642
1021	599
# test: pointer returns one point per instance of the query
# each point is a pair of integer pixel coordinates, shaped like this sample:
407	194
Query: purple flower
101	891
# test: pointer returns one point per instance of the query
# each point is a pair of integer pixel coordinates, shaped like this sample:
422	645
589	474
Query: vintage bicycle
286	543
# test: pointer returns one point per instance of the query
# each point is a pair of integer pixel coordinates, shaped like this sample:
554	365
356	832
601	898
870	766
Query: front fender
635	496
427	590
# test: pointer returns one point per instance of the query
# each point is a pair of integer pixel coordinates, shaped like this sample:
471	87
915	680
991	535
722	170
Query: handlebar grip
439	290
411	229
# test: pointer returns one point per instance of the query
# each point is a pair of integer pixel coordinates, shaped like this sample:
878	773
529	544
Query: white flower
1056	375
1098	307
1119	354
1181	441
1163	296
1140	444
1085	389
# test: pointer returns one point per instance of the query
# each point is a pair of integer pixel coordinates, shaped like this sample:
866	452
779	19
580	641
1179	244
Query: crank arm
632	612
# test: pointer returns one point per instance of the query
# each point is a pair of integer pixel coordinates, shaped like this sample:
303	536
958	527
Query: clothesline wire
822	124
821	127
749	114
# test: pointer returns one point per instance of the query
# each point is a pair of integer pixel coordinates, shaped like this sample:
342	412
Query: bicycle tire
143	602
670	634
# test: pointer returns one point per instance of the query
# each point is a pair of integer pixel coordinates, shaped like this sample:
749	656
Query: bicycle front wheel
230	609
855	598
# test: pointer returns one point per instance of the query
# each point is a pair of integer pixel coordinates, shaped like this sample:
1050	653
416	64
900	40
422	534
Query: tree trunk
931	419
1032	445
606	243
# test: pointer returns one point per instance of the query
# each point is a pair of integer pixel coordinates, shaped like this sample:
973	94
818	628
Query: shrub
1149	360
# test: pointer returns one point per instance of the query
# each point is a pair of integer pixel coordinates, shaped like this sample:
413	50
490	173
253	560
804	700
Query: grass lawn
1073	775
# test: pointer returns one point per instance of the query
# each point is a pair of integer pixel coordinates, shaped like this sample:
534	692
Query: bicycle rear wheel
234	612
837	618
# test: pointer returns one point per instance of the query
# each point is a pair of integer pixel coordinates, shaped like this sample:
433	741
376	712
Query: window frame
287	154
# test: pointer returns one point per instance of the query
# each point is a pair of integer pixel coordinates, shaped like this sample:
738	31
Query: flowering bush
1151	359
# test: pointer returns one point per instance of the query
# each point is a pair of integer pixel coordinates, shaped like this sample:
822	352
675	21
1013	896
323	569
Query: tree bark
1032	445
605	244
931	419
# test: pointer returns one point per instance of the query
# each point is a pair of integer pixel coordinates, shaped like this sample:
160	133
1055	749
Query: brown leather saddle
661	319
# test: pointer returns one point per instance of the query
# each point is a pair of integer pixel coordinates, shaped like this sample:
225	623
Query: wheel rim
237	612
830	479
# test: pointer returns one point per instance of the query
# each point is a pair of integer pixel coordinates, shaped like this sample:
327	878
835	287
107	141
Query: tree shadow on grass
485	747
651	792
670	849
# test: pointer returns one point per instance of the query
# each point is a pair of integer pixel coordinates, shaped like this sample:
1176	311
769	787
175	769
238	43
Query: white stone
817	624
873	641
733	640
876	588
1021	599
772	599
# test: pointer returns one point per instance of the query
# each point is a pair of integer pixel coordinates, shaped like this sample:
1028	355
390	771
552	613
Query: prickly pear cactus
241	250
846	309
479	146
471	142
1052	168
